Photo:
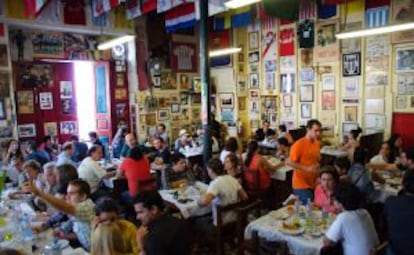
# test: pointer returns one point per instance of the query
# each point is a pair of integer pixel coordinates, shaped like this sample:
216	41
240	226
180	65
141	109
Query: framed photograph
241	86
254	57
66	89
306	111
102	124
67	106
184	81
227	115
163	115
175	108
3	114
4	57
50	128
306	93
196	99
328	82
270	81
185	115
195	114
25	102
306	75
254	94
269	103
254	80
26	130
121	94
184	97
197	84
226	100
46	100
68	127
401	102
351	64
287	101
242	103
351	113
405	60
151	119
253	40
328	100
184	56
287	83
348	126
254	107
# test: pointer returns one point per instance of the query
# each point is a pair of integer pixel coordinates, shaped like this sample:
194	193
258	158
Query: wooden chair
242	221
381	249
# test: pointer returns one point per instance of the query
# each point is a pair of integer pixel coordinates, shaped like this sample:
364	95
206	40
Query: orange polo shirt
306	153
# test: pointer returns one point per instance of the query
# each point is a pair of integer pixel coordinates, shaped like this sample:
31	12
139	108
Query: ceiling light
116	41
376	31
222	52
233	4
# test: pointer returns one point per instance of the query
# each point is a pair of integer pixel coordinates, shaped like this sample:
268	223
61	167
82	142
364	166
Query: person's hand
142	232
58	233
30	187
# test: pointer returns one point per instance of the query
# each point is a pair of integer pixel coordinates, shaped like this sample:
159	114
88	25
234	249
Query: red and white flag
307	10
101	6
180	17
133	9
34	7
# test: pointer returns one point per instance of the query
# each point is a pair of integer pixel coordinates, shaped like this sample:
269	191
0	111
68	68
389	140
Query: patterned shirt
80	223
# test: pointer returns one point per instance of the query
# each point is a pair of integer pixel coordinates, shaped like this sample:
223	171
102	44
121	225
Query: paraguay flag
181	17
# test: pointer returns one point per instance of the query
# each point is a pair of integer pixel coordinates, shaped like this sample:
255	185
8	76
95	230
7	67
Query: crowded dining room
206	127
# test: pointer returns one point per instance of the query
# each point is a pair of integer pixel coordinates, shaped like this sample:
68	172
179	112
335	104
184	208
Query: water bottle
309	208
53	248
26	230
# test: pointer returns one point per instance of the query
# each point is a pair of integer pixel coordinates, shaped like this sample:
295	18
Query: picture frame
328	100
254	57
25	102
50	128
287	100
175	108
196	84
351	113
163	115
26	130
348	126
253	40
66	89
102	124
46	100
287	83
306	93
196	99
404	59
254	94
254	81
306	75
226	100
328	82
306	111
351	64
3	113
156	81
184	98
68	127
242	103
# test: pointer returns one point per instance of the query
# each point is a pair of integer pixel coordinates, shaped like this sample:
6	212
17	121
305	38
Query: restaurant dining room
197	127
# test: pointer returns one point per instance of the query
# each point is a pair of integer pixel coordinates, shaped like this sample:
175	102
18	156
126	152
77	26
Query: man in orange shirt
304	158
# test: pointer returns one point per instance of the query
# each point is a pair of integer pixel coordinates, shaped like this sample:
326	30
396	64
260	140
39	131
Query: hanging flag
307	10
219	40
163	5
180	18
34	7
133	9
100	6
286	42
327	11
148	6
99	21
377	17
15	9
241	17
74	12
335	2
376	3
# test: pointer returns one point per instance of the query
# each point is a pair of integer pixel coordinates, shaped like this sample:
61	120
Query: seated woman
231	146
285	134
255	162
352	142
342	166
11	150
232	166
134	168
178	174
324	192
107	238
353	226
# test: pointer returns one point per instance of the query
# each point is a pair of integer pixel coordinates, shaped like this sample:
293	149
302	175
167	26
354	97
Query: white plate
63	243
297	231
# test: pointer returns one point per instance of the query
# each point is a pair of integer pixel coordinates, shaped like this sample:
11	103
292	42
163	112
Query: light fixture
233	4
376	31
222	52
116	41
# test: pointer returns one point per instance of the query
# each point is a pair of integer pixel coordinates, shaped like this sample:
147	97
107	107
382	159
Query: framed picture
348	126
68	127
287	83
175	108
351	64
306	93
168	80
254	94
287	101
405	59
3	114
185	115
242	103
328	82
66	89
401	102
253	40
328	100
254	57
156	80
254	80
102	124
351	113
226	100
67	106
195	99
163	115
306	111
184	81
269	103
26	130
50	128
184	57
306	75
46	100
197	84
184	97
25	102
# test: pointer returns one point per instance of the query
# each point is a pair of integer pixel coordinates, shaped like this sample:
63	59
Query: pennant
377	17
133	9
180	18
148	6
376	3
241	17
74	12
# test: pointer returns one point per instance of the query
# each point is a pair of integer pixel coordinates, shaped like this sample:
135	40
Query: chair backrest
243	213
147	184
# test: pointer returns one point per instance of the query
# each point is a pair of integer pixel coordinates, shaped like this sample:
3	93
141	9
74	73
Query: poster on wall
351	113
287	83
68	127
35	75
328	100
184	57
66	89
306	58
401	102
47	44
25	103
168	80
26	130
405	83
4	84
351	64
350	88
270	81
306	93
21	47
376	71
327	47
306	75
50	128
375	121
405	59
286	42
67	106
352	44
374	106
45	100
403	11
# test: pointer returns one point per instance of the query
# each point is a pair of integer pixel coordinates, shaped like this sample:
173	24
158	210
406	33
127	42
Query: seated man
381	161
65	157
162	133
184	139
79	208
93	137
106	210
223	190
160	154
34	153
178	174
90	171
15	171
265	132
160	233
81	149
49	182
130	142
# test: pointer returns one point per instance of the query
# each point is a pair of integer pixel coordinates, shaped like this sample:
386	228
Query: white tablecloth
189	209
280	174
268	145
332	151
385	191
267	228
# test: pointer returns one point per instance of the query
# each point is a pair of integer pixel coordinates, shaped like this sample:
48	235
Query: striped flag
180	17
148	6
376	3
307	10
133	9
377	17
34	7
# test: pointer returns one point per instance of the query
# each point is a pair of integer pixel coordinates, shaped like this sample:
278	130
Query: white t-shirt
90	171
378	159
225	188
223	155
356	230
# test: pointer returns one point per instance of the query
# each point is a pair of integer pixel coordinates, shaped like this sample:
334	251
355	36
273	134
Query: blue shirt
40	156
64	159
81	151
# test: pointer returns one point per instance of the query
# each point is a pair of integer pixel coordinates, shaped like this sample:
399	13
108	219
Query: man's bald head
130	140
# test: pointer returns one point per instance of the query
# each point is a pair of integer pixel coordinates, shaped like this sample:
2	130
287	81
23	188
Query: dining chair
244	214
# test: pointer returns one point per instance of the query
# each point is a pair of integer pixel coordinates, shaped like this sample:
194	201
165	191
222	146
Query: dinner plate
296	231
63	243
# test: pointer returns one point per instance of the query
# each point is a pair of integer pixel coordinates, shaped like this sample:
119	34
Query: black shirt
260	134
306	34
400	214
167	236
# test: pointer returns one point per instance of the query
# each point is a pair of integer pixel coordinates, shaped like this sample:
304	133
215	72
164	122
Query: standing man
160	233
304	158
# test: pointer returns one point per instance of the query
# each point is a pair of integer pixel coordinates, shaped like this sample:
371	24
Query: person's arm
298	166
327	242
267	166
242	194
206	199
59	204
